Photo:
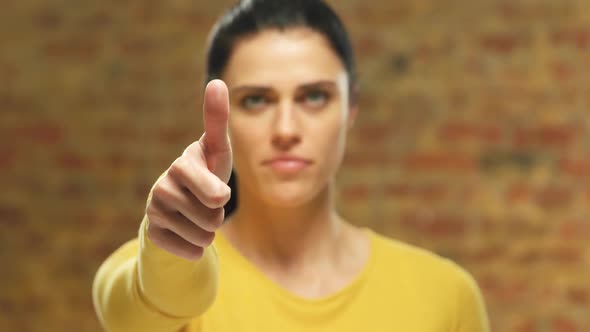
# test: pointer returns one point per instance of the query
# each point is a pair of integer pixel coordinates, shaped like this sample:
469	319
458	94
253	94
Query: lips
287	164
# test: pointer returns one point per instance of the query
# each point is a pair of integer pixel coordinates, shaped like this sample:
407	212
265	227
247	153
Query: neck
286	238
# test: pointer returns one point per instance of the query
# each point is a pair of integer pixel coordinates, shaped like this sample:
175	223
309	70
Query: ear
353	108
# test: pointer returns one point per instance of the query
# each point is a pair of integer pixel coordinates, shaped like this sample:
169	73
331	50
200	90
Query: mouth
287	164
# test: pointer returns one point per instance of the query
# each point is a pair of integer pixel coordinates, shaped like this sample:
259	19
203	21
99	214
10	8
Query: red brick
98	20
199	19
367	100
184	74
367	159
398	190
43	133
177	136
563	71
458	99
138	102
555	197
119	133
578	37
572	229
11	215
514	291
72	190
87	218
577	167
84	49
73	161
485	255
373	134
48	18
564	324
368	45
500	42
510	10
553	136
579	296
438	225
445	227
10	72
519	192
16	104
564	255
488	225
120	160
149	13
529	257
460	131
138	47
432	192
355	193
525	325
142	189
371	15
504	290
439	161
7	158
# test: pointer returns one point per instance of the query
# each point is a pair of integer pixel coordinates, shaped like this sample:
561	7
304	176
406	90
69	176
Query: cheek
240	138
246	142
333	138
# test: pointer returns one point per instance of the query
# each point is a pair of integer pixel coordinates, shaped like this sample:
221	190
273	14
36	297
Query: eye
315	99
253	102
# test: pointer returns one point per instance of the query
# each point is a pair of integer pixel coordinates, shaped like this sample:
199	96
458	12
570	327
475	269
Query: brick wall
473	141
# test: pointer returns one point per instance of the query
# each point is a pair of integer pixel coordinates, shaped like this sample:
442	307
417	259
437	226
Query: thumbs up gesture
186	206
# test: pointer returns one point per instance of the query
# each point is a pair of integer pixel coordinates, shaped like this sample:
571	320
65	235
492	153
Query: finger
172	197
182	227
197	213
173	243
204	185
215	117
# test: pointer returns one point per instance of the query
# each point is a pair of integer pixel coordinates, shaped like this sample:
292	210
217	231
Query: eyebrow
264	89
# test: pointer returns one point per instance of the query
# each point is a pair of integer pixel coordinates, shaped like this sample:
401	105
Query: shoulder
428	275
419	264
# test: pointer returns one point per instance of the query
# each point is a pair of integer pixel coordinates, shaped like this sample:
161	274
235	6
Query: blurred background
473	141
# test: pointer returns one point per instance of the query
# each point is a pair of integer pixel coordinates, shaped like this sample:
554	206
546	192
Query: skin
288	95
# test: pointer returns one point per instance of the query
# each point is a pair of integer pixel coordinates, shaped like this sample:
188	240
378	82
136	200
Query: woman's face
289	114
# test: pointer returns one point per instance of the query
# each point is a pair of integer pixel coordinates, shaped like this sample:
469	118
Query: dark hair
248	17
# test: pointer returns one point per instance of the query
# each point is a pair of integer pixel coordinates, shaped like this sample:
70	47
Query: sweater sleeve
471	315
141	287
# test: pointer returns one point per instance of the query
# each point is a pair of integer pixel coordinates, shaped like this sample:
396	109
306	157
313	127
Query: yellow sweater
402	288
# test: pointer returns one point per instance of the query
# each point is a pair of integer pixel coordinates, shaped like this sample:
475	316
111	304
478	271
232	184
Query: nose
286	127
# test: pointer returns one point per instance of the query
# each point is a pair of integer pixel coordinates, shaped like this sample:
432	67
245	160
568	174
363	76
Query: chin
289	195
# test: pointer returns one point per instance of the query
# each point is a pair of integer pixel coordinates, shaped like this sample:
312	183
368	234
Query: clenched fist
186	207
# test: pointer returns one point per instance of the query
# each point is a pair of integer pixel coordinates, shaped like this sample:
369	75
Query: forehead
290	57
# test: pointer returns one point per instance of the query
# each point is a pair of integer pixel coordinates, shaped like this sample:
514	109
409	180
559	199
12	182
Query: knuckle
178	169
208	239
154	234
213	220
159	191
194	254
157	222
151	210
219	197
217	217
162	194
192	149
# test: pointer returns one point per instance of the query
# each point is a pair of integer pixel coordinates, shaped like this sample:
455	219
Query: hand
186	207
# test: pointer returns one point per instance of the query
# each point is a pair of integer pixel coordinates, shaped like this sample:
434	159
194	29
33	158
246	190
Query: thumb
216	117
215	141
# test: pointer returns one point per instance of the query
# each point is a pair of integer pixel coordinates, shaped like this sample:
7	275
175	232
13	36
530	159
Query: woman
283	259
